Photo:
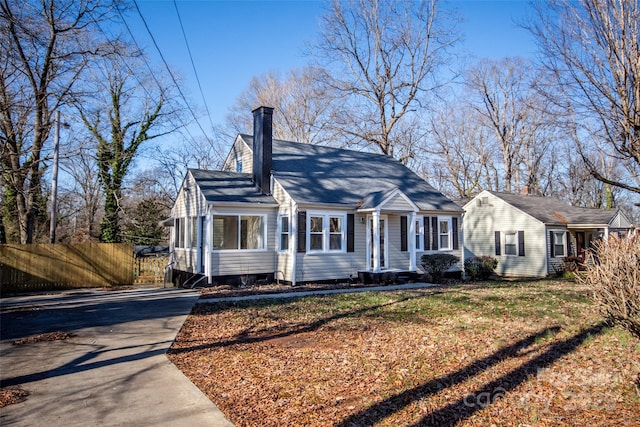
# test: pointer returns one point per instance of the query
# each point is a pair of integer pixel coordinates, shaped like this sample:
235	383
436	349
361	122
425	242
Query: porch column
376	241
412	241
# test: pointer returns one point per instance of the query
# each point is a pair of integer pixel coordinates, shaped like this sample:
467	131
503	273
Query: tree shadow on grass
248	336
466	406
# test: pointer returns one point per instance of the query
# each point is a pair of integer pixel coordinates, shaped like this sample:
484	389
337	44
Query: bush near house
480	267
614	277
437	264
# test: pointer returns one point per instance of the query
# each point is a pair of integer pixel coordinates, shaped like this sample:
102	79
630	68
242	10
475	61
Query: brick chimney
262	147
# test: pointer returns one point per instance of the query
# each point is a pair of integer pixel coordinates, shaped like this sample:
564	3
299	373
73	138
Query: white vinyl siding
240	153
483	220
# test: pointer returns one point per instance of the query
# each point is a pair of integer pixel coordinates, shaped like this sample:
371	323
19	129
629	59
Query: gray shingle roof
553	211
317	174
230	187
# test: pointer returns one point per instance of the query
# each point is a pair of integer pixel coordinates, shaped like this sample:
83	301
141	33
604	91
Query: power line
108	38
184	98
193	65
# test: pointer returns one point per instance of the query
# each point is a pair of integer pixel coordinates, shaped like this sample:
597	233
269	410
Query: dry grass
524	353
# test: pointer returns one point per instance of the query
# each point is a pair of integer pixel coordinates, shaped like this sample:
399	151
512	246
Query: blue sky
233	41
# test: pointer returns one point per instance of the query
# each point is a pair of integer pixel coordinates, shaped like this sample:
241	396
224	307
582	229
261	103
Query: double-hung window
239	232
510	243
326	232
444	233
558	243
193	231
179	238
283	223
419	233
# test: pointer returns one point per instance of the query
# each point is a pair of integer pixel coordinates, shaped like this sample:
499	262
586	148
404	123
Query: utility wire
184	98
124	21
193	65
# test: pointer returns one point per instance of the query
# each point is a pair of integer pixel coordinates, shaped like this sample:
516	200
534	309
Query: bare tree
44	47
135	110
504	95
592	47
461	152
303	108
384	57
83	195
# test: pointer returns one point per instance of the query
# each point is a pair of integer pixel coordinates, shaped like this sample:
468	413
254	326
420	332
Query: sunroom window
243	232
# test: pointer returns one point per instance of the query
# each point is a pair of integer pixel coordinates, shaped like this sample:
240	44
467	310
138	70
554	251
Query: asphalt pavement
113	371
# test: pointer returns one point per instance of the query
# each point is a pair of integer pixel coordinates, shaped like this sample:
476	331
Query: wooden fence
150	269
52	266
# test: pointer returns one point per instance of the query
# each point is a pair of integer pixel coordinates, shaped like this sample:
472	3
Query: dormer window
239	164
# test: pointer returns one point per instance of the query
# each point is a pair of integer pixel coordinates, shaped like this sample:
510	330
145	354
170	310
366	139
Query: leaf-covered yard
520	353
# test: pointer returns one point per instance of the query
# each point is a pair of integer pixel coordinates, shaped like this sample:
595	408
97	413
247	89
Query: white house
531	235
298	213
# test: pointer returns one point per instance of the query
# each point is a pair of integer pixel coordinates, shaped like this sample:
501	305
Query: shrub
614	277
572	263
480	267
437	264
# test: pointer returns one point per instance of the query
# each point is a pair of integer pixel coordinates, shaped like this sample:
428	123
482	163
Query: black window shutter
566	252
520	243
403	234
454	225
497	240
351	223
427	233
551	245
434	233
302	231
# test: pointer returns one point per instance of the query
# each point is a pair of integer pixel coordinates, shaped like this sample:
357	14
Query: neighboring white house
299	212
531	235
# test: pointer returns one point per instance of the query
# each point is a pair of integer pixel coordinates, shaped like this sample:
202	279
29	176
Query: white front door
378	253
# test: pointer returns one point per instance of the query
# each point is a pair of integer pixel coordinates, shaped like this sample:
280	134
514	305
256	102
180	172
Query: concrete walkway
113	372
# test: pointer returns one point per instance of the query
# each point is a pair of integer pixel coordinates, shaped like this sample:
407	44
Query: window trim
265	244
326	232
514	244
563	239
449	221
180	241
193	233
281	232
419	235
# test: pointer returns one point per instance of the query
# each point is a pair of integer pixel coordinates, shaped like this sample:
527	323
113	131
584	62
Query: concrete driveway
113	372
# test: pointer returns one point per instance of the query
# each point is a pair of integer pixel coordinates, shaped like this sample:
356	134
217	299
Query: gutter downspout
207	234
293	239
462	251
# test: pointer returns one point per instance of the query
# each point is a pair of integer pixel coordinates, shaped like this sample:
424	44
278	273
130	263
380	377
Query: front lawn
522	353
